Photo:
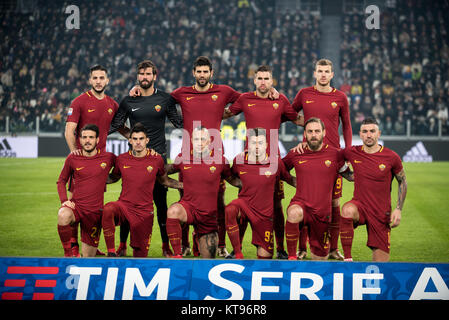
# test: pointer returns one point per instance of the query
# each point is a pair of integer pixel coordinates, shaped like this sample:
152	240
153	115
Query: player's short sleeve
176	94
160	166
396	166
297	102
288	111
177	163
74	112
237	106
288	161
282	171
226	171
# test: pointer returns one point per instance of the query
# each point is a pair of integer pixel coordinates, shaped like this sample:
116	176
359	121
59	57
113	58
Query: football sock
279	221
346	236
74	234
291	236
108	224
65	233
232	228
334	228
303	239
185	235
221	227
174	233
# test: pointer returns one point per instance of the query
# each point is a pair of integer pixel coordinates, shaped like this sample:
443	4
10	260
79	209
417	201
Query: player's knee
65	216
349	210
295	214
174	212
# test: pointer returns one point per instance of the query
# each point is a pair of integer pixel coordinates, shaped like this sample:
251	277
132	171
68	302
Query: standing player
255	200
94	107
90	169
374	167
201	171
330	105
265	113
316	171
139	171
151	109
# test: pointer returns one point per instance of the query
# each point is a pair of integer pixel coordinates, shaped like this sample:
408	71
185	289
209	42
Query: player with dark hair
151	109
94	107
258	177
330	105
90	169
374	168
201	171
139	171
316	171
260	111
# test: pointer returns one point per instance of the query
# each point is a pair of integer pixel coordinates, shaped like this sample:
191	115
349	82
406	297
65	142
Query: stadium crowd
396	73
401	70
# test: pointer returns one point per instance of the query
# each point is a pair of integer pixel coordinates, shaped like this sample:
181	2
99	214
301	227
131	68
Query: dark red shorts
90	223
262	226
203	222
377	227
317	231
140	224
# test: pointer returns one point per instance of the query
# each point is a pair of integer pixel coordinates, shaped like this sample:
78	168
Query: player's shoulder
283	98
83	97
162	93
304	90
111	100
388	152
181	90
108	155
339	93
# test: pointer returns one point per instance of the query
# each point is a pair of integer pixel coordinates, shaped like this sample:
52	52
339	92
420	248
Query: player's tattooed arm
402	188
170	168
234	181
169	182
112	178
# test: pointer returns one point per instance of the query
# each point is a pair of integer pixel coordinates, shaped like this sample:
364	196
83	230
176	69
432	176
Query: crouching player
258	174
201	170
90	169
138	170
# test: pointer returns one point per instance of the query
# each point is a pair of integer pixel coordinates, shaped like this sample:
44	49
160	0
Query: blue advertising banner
200	279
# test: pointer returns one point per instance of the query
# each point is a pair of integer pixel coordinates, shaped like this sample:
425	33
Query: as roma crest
212	169
275	105
214	97
328	163
157	108
382	167
149	169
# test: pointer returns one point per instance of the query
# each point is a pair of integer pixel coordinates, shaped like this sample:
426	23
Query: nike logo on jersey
357	161
126	167
90	110
134	109
309	101
242	172
189	98
301	162
251	104
186	168
78	169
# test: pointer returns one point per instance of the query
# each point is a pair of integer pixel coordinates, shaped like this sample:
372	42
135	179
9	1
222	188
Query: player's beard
204	82
263	91
145	84
99	91
91	146
315	144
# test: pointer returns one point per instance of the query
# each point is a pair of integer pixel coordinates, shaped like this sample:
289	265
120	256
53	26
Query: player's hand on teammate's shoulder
135	91
299	148
77	152
273	94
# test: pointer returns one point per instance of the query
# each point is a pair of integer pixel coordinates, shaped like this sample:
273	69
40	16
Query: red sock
278	227
108	224
185	235
346	236
232	228
74	233
334	228
174	233
291	236
303	239
65	233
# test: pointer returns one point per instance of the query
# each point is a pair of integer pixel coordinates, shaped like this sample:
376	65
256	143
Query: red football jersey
86	108
90	174
205	107
263	112
201	179
138	178
258	183
373	173
316	172
329	107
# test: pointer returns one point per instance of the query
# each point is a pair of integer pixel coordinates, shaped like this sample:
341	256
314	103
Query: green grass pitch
29	204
